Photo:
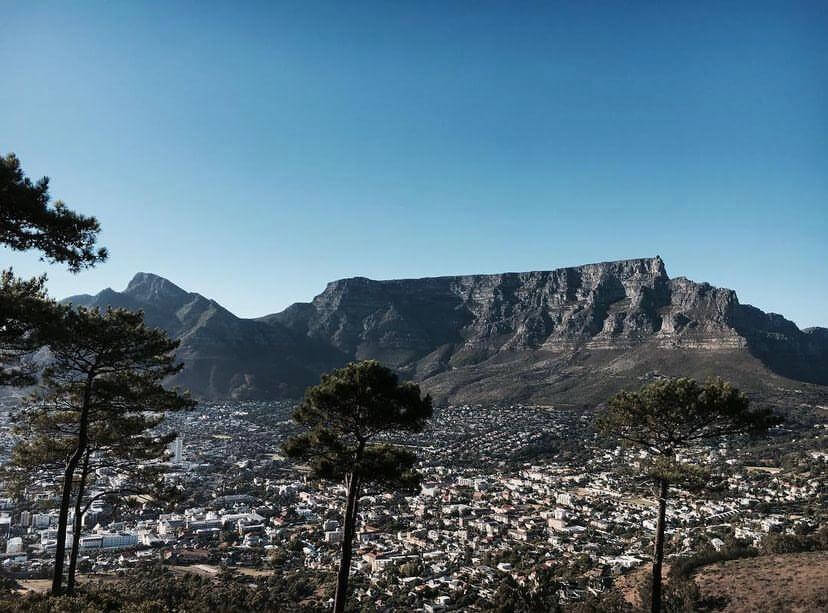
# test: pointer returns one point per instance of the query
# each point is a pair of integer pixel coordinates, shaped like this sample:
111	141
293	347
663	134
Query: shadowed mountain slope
224	356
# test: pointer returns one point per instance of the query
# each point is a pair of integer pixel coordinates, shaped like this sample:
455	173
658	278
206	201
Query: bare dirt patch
41	586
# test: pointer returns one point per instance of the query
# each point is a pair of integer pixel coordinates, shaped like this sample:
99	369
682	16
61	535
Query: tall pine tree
670	416
104	380
344	414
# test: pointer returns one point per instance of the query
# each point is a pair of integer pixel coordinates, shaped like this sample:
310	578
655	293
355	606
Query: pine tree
122	443
672	415
343	415
104	382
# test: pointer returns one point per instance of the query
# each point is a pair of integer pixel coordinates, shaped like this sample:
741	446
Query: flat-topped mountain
571	335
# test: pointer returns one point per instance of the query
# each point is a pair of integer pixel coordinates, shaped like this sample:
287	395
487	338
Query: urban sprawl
505	491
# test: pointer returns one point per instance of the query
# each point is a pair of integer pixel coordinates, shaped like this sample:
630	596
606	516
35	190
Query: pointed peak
146	286
145	277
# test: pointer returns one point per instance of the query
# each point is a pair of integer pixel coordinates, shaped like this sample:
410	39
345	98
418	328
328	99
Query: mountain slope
224	356
572	335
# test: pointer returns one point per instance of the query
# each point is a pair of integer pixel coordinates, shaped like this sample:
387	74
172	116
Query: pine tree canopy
29	221
124	359
346	411
669	415
103	385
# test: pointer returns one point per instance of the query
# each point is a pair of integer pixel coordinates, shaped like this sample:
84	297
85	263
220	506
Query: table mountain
572	335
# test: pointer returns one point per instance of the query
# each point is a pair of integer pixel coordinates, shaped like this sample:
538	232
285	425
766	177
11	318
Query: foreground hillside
794	582
572	335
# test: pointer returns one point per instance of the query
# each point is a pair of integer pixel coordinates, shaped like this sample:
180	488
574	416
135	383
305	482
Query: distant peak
147	285
142	277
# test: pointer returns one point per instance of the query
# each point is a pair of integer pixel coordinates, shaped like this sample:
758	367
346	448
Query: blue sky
253	152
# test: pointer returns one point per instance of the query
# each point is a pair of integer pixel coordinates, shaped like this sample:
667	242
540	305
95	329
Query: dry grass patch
794	583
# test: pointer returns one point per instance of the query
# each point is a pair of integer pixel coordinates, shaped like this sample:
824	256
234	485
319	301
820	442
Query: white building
41	521
177	449
109	540
14	545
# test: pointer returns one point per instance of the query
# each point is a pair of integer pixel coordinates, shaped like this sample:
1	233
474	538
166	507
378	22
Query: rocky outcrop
530	335
700	316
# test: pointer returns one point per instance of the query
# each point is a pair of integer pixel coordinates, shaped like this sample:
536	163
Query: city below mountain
571	336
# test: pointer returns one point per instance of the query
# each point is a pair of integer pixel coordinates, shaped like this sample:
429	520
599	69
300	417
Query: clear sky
253	152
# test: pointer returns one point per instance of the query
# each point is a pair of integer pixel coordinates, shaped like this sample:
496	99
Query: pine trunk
63	519
66	496
73	555
658	551
341	596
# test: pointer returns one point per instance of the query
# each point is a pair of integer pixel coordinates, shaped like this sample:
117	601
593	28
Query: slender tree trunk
73	555
66	497
341	596
658	550
63	518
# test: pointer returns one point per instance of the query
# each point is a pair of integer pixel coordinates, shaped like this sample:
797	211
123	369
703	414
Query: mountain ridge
467	338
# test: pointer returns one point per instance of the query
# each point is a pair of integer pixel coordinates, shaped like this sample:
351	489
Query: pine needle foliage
344	415
29	220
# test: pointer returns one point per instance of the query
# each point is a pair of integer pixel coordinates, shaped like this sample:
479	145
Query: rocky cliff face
611	305
535	336
602	304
